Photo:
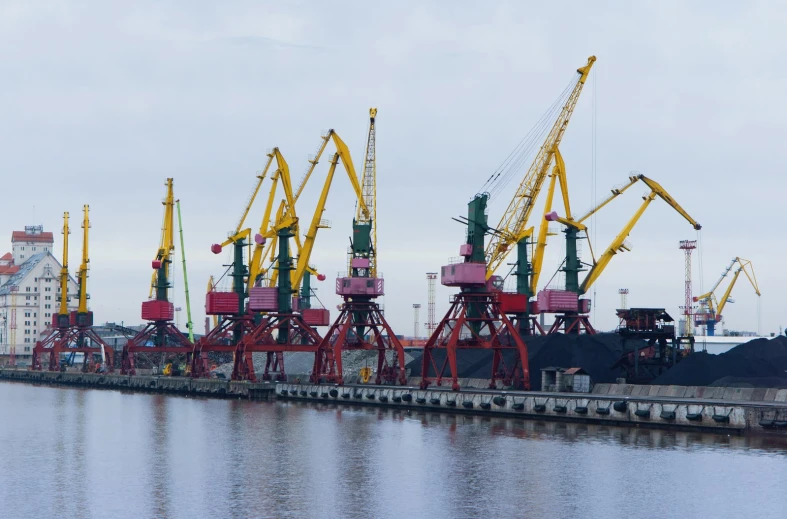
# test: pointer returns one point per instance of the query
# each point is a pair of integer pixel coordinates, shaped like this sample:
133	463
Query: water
106	454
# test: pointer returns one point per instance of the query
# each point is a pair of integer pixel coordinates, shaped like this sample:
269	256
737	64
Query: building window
27	298
47	306
21	255
27	314
27	348
34	248
27	289
47	297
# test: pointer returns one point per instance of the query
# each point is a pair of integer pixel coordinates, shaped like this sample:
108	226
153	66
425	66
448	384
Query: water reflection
100	454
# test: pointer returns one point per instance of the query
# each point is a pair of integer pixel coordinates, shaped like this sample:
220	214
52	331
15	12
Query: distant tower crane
160	336
416	316
688	246
711	308
624	293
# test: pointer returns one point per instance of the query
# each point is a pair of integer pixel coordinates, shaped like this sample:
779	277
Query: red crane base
72	340
489	328
163	331
264	338
360	326
573	324
219	339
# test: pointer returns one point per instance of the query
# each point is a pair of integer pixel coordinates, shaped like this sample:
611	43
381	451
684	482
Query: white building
31	268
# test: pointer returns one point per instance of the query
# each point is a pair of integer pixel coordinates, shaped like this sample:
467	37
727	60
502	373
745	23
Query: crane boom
160	276
558	177
618	244
514	221
716	306
369	191
85	260
64	269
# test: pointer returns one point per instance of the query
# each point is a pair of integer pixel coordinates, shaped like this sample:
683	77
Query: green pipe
189	323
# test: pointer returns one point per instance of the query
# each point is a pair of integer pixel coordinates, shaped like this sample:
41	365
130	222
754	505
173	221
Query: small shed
552	379
576	380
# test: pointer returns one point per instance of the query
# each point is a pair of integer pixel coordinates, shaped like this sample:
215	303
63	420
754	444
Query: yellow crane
286	215
82	311
711	308
619	243
513	224
63	319
558	177
160	277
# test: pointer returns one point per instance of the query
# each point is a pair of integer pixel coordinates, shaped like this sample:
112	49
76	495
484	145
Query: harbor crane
478	316
160	335
711	307
572	311
73	331
361	324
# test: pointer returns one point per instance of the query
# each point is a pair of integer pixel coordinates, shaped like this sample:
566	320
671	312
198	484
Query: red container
317	316
584	306
72	318
158	310
221	303
512	303
84	320
552	301
534	309
58	323
264	299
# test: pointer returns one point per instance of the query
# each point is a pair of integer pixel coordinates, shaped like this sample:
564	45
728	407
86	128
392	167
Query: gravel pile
301	363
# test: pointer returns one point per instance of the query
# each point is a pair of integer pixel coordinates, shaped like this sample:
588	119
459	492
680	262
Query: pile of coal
757	363
596	354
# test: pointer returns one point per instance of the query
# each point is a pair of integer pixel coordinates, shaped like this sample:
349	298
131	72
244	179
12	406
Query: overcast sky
101	101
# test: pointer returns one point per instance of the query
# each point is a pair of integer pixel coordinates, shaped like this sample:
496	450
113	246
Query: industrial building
29	292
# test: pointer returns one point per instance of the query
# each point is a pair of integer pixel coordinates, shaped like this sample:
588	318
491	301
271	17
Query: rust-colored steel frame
486	328
71	340
263	339
367	316
175	342
219	339
573	324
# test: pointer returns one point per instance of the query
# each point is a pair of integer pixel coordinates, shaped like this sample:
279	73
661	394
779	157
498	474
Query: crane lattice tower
687	246
624	292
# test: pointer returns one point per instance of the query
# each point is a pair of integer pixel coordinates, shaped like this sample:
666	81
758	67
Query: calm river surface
75	453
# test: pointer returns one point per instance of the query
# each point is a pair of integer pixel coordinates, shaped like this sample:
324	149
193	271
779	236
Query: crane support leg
489	330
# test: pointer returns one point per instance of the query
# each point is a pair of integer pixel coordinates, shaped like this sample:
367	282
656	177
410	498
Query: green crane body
285	291
522	273
361	247
239	273
477	228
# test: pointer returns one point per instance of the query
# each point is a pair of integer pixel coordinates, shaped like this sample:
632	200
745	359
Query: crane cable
513	163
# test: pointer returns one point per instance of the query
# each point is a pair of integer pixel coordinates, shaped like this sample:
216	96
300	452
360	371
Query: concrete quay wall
619	409
219	388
